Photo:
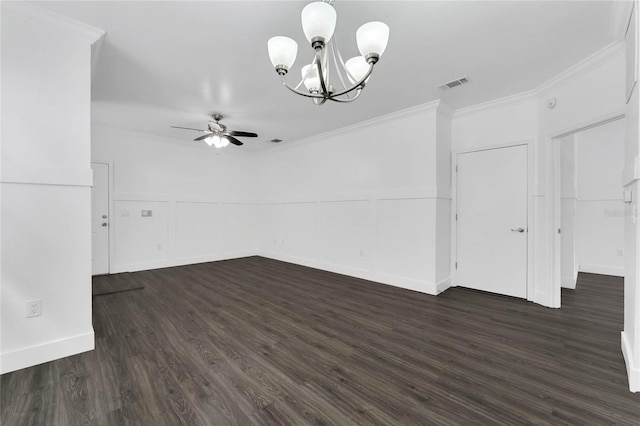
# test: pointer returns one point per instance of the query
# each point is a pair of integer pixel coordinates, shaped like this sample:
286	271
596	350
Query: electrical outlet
620	252
34	308
124	213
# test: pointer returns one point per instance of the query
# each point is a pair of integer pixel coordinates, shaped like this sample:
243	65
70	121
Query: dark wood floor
256	341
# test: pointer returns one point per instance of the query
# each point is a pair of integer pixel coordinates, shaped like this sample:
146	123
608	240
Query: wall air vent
276	140
454	83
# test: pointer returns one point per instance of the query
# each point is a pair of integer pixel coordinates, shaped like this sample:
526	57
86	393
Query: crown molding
47	19
620	14
507	100
591	62
426	108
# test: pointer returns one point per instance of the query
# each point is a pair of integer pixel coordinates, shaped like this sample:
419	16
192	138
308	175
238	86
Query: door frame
556	198
454	208
110	234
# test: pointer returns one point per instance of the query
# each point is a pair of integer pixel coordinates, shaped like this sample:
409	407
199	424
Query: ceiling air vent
276	140
454	83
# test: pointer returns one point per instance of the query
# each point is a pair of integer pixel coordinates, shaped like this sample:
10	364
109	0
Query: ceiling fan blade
203	137
233	140
243	134
188	128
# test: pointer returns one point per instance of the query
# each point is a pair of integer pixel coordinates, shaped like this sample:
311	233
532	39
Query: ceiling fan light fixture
215	140
318	22
282	52
218	135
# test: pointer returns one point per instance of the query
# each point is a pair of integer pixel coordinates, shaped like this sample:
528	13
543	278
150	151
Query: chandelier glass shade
318	24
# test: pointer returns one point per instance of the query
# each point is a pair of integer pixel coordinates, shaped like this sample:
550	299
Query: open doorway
589	202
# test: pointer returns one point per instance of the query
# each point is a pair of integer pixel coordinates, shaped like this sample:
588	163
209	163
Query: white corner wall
589	92
45	186
600	208
569	207
200	198
370	201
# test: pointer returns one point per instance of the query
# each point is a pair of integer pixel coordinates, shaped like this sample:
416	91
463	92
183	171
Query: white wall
45	187
200	198
592	207
371	201
591	91
600	209
630	337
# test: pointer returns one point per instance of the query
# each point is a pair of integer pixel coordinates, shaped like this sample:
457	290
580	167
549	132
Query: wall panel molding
52	176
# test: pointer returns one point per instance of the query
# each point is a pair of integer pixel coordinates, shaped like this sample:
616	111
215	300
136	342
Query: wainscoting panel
407	238
346	232
140	239
299	230
239	229
198	229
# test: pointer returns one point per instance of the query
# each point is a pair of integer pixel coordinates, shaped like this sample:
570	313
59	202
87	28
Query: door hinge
559	231
456	216
456	167
456	265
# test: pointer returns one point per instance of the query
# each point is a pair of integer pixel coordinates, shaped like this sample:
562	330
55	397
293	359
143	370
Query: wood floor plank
255	341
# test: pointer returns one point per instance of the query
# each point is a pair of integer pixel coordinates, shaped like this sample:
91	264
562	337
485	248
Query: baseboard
393	280
632	371
602	270
443	285
544	299
49	351
181	261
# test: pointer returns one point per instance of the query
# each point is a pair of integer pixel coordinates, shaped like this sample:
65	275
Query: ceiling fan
217	134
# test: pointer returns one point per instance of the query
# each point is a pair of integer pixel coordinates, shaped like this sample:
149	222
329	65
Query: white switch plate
628	197
34	308
146	213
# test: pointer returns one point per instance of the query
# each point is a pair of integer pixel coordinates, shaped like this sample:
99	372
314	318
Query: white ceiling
174	62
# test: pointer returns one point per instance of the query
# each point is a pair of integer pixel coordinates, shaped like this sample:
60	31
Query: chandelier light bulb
224	142
282	52
318	21
372	39
312	82
358	68
209	140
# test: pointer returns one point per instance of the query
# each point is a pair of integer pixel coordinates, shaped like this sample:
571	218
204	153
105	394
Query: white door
492	220
100	219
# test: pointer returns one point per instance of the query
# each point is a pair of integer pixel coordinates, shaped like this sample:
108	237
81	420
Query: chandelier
318	24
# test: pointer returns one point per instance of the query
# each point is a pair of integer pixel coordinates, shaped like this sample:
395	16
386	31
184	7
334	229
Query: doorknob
104	216
517	230
104	223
